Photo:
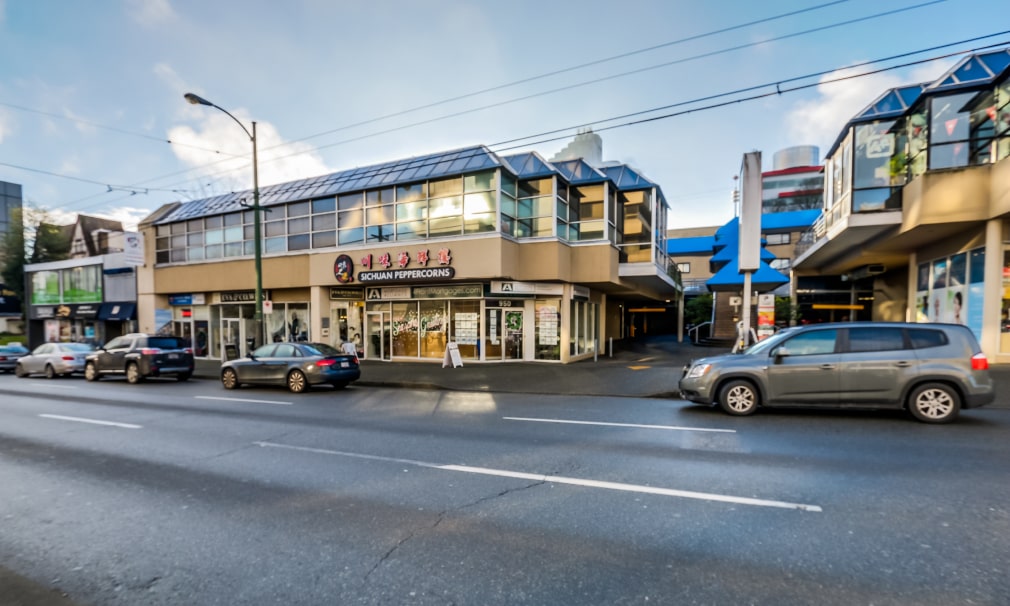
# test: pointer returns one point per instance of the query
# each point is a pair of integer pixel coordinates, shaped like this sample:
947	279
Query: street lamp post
257	244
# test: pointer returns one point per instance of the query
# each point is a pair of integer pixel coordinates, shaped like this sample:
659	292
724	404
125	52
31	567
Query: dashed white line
668	492
635	425
92	421
56	386
244	400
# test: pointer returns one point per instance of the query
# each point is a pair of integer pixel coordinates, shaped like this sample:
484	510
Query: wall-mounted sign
242	296
343	269
509	287
339	292
133	249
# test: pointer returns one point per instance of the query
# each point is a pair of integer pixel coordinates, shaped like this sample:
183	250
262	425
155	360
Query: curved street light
257	250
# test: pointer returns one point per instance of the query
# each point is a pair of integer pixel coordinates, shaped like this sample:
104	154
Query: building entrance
504	337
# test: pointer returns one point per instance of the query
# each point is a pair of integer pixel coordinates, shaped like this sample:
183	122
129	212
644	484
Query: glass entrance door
378	344
513	320
232	345
504	337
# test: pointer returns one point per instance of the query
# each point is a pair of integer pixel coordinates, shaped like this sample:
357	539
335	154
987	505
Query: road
184	493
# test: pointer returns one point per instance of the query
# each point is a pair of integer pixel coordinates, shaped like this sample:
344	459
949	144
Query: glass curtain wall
637	207
878	167
444	207
586	212
535	208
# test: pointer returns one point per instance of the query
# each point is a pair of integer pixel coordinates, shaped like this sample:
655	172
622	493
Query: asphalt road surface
184	493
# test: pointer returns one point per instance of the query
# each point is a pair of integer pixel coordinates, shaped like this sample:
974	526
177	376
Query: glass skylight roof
891	104
431	166
975	69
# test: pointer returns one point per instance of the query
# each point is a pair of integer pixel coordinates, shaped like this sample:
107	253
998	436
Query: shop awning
117	311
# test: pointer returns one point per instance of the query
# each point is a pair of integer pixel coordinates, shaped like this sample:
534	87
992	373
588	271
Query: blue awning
117	311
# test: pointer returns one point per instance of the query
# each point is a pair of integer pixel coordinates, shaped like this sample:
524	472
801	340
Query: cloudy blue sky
92	116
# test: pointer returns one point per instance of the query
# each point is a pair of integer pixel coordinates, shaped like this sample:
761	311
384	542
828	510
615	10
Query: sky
93	119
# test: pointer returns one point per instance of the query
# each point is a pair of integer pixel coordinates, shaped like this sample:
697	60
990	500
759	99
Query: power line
500	147
586	83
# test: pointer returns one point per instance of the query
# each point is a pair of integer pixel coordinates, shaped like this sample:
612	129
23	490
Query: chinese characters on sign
403	271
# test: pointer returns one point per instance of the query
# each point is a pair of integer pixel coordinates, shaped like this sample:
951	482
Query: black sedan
295	365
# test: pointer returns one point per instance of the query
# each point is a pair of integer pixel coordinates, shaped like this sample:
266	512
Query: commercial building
506	257
916	217
88	297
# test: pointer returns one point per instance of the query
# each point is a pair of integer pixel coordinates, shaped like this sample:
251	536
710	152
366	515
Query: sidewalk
645	368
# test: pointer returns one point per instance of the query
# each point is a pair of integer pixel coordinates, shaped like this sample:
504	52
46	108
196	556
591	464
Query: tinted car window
81	347
923	338
118	343
875	339
264	351
811	343
321	349
164	342
285	351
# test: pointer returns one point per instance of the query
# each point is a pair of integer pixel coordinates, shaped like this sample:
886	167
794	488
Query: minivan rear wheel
739	398
934	403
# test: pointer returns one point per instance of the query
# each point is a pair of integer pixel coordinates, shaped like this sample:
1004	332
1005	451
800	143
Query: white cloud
150	13
221	151
819	121
5	118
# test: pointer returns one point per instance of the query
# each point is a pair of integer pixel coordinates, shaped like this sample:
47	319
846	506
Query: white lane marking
92	421
667	492
244	400
667	427
51	385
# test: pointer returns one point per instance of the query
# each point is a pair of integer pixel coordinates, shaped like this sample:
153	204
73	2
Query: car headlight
698	370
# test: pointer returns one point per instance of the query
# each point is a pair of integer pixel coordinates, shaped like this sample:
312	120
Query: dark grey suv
933	370
139	356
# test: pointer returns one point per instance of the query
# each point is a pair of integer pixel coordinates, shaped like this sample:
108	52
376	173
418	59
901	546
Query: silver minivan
933	370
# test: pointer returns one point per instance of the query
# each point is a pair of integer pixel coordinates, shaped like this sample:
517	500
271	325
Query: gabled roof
89	225
627	178
696	245
892	103
729	278
578	172
529	165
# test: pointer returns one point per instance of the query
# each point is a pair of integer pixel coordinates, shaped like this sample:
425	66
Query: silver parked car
932	370
298	366
54	360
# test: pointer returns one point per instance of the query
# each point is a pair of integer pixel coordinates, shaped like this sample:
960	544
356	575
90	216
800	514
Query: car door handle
827	366
902	364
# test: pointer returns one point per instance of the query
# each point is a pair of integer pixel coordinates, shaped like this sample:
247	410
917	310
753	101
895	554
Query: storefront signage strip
242	296
395	275
457	291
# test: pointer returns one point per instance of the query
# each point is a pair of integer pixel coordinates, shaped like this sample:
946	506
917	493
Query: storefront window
405	329
548	329
465	328
433	329
82	284
45	287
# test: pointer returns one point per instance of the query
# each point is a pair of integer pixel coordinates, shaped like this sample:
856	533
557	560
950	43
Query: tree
698	309
31	238
12	255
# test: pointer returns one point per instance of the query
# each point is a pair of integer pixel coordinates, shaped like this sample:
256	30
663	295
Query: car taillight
327	362
979	362
188	350
69	358
3	358
149	352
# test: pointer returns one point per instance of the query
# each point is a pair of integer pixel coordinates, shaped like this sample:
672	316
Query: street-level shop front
504	259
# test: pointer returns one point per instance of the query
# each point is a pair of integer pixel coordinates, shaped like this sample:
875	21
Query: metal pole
257	245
